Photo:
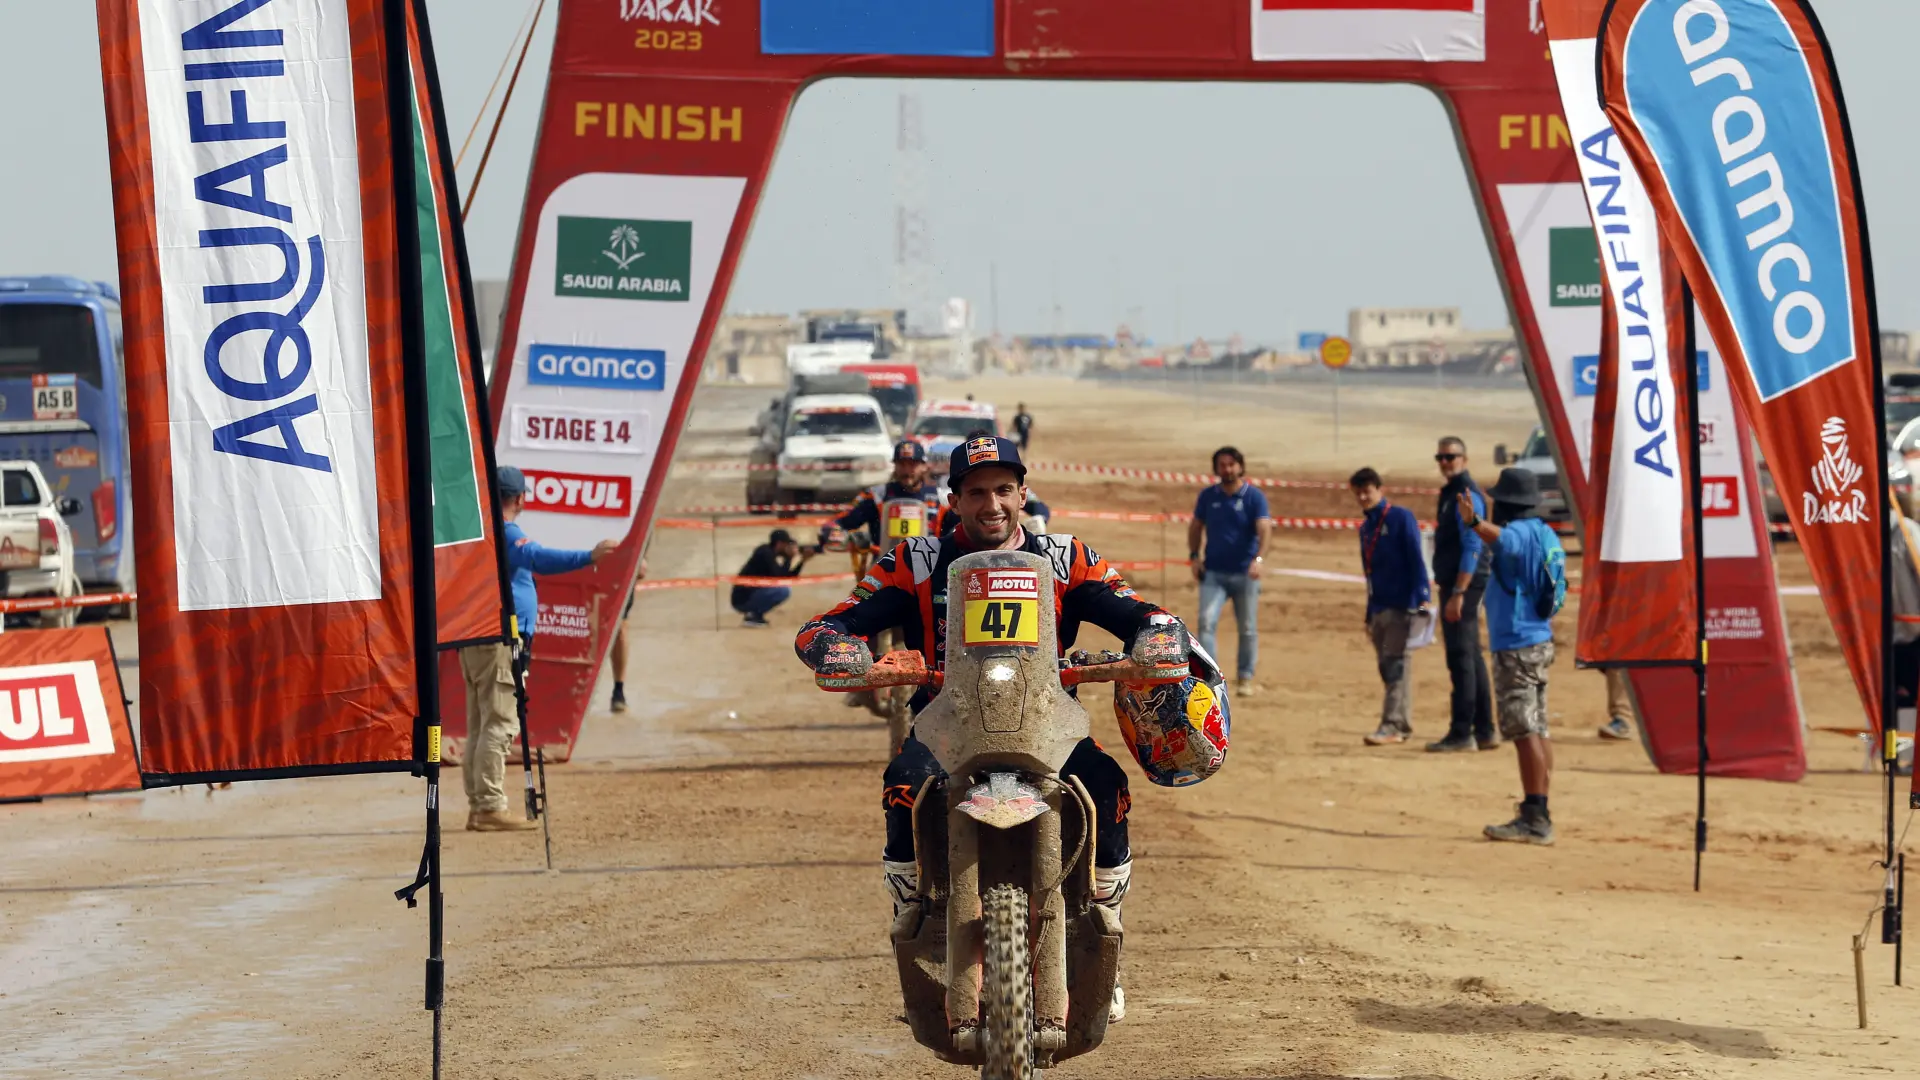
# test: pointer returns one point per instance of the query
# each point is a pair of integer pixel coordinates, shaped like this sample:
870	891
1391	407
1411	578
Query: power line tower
913	275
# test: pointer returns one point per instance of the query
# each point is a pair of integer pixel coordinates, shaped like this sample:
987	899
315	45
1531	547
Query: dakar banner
1639	514
1731	111
252	175
63	718
469	577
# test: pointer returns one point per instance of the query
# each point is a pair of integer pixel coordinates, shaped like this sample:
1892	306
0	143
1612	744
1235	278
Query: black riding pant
1105	780
1472	701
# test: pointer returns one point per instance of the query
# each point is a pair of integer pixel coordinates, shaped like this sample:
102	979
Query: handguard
839	656
903	668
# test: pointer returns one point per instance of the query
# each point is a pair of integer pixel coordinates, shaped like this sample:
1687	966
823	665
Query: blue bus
63	404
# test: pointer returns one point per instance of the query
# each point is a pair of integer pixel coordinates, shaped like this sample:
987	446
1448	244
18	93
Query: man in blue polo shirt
1232	518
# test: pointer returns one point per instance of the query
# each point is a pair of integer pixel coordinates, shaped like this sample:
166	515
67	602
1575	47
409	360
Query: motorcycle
1005	962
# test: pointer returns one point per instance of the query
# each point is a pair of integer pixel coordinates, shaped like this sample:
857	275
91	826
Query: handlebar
908	668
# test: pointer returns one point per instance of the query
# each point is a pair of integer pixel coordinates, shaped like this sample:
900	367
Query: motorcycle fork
980	857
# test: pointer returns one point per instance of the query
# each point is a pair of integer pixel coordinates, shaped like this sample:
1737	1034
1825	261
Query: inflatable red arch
676	107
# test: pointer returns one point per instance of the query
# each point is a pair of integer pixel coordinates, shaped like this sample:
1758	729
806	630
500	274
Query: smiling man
907	588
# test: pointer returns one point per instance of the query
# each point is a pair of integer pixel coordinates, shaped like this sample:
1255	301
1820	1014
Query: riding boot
1109	889
902	882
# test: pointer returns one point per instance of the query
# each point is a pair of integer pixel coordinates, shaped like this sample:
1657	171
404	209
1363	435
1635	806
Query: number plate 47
1002	608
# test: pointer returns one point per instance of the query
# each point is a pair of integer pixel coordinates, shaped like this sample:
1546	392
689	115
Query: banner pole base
546	818
1860	977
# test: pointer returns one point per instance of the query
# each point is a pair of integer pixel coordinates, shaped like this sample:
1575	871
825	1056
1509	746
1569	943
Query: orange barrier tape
1120	472
708	583
49	603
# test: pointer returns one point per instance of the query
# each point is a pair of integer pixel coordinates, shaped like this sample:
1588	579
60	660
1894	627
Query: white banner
1553	238
622	268
1412	30
1646	505
256	189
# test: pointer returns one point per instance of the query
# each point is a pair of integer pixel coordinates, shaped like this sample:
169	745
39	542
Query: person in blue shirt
1233	520
1397	592
493	715
1522	643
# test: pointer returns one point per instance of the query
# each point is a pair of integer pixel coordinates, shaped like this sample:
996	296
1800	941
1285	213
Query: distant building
751	349
1419	337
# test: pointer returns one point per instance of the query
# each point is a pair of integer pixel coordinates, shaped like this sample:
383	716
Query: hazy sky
1182	209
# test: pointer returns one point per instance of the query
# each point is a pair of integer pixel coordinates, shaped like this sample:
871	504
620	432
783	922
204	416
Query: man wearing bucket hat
1527	585
493	715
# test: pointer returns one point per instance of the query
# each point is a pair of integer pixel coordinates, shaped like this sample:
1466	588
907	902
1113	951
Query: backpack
1547	580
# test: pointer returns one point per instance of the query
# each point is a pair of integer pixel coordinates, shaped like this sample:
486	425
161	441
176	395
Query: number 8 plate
1002	607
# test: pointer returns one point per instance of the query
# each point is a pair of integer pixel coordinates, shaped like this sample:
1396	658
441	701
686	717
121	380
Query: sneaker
1492	742
1386	736
619	699
1529	826
1243	690
754	620
498	821
1452	745
1117	1009
1616	728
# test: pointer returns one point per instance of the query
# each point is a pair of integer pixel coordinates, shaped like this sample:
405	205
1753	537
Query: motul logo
1719	496
579	493
52	711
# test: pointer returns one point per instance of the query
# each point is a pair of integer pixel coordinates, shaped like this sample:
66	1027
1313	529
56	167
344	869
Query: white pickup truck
834	445
36	547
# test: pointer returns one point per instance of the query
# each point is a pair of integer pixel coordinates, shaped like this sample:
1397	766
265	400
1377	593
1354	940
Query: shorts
1520	689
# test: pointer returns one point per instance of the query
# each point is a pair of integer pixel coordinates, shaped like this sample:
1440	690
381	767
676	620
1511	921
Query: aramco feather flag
252	172
1731	111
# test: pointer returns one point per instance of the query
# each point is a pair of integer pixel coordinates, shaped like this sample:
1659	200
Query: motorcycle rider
907	588
909	482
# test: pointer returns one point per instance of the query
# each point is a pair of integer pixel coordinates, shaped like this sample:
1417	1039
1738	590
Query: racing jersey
907	588
865	511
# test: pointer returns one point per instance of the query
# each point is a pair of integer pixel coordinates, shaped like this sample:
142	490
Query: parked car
36	545
1537	458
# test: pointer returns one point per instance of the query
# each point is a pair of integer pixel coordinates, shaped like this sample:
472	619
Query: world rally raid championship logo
1836	477
617	259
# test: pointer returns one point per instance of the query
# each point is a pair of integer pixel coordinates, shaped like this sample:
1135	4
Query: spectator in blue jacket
1522	643
1397	591
493	714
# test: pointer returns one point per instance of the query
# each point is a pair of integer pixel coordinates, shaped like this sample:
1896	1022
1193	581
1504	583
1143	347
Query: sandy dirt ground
1320	910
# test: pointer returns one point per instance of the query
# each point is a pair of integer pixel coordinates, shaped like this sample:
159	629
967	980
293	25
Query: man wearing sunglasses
1461	562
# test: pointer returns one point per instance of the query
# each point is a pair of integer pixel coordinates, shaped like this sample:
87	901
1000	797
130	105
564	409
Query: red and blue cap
908	450
984	451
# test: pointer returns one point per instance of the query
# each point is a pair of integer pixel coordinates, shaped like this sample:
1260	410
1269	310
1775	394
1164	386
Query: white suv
835	445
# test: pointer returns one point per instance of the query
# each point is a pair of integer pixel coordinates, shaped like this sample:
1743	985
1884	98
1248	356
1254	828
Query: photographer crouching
780	557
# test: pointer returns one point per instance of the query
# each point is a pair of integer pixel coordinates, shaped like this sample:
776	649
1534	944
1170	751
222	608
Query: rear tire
1006	987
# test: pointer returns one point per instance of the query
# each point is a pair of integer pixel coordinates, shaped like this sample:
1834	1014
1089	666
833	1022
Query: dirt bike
1005	962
